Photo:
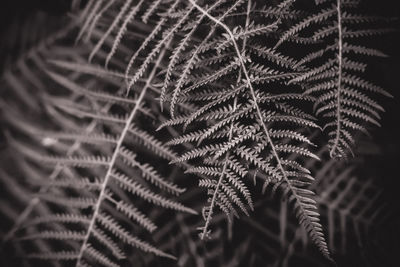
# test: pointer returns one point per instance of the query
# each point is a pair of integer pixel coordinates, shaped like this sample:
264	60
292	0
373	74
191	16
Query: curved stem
114	157
250	85
259	113
212	204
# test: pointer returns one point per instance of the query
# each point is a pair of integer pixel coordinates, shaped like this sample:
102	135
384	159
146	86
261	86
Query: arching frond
336	74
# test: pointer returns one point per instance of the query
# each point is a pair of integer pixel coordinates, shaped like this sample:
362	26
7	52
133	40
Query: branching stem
252	92
223	173
248	81
258	109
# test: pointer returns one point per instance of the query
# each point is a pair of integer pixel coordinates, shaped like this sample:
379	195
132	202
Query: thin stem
254	98
114	157
258	110
250	85
339	80
223	173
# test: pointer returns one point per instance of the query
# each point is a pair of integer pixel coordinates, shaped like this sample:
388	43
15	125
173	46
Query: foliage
156	93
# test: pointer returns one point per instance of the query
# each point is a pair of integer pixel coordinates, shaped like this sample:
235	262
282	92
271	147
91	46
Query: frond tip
306	211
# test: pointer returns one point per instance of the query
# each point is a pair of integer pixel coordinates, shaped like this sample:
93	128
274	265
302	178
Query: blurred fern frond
86	176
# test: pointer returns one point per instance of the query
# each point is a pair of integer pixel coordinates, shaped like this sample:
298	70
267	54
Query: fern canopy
154	91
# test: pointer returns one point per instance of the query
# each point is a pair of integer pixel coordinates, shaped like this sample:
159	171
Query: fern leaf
338	83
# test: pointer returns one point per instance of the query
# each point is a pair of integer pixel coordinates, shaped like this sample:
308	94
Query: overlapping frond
243	123
202	85
89	163
274	236
336	70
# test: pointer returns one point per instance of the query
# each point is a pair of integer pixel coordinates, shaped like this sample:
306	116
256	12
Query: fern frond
83	133
109	223
253	109
99	257
334	77
76	108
